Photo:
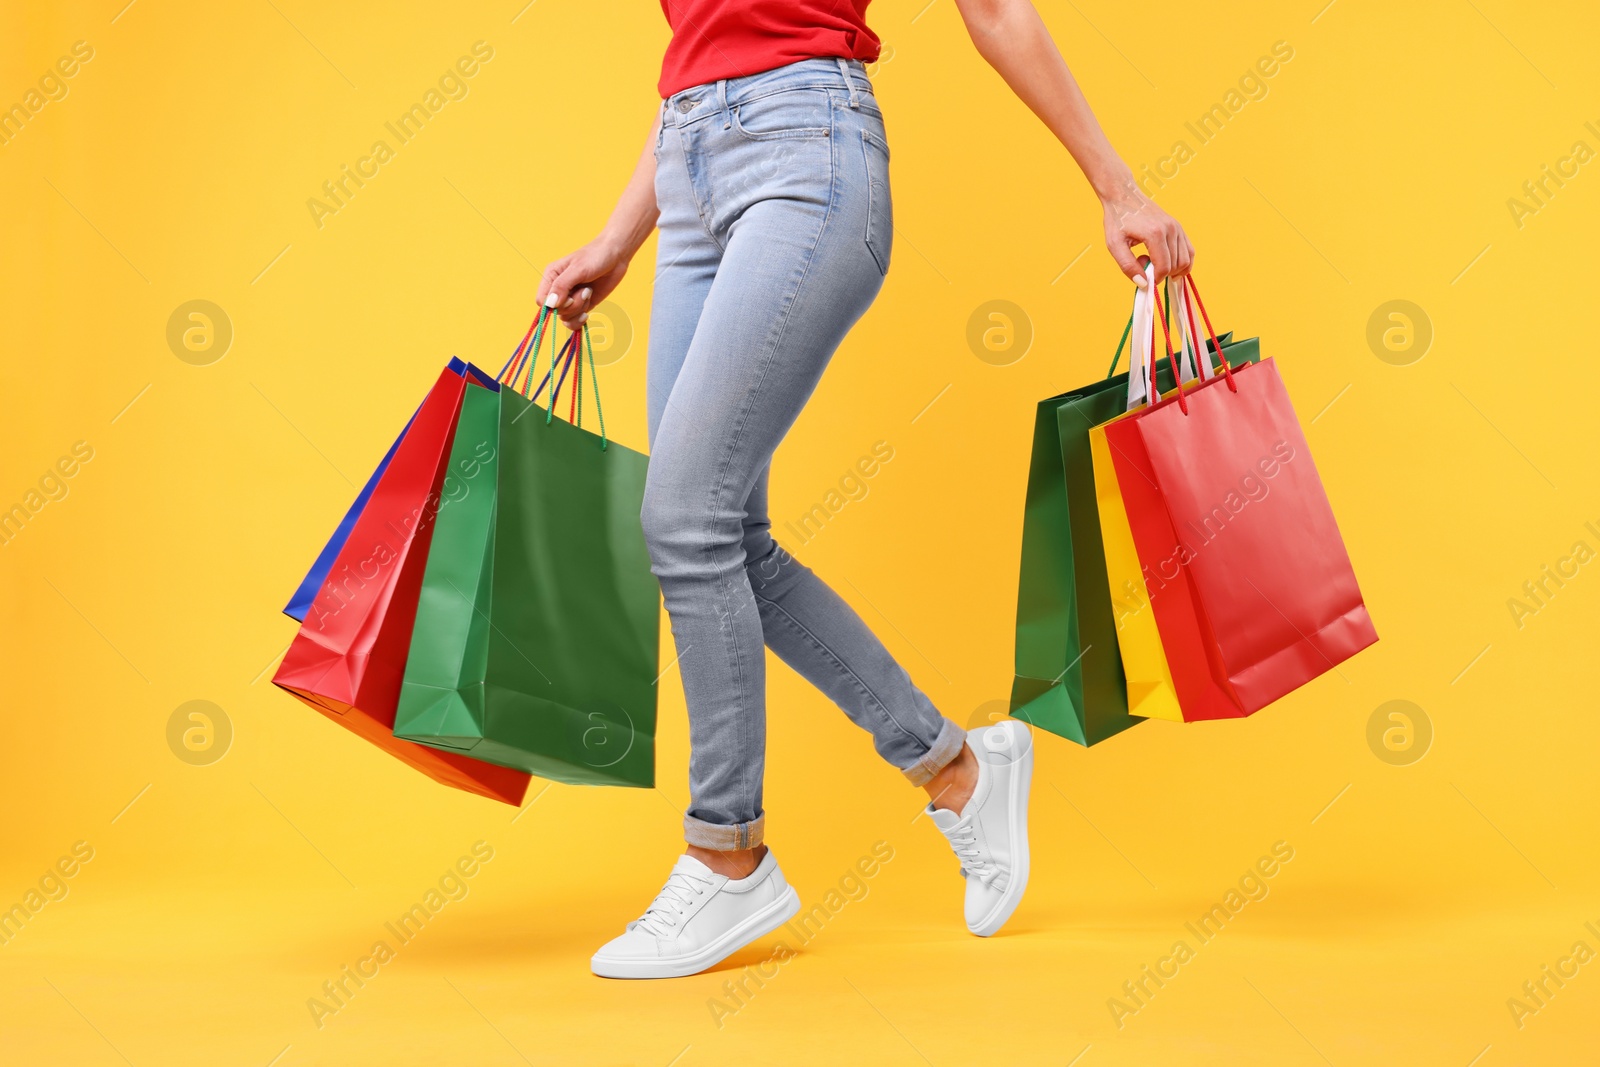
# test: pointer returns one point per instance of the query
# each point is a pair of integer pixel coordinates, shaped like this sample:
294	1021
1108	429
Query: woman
767	173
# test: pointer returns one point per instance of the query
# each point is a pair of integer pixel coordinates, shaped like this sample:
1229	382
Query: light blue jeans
775	235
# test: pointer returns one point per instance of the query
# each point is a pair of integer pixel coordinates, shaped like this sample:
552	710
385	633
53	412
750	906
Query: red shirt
716	39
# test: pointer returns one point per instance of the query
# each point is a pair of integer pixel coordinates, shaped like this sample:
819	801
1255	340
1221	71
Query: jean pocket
793	113
880	209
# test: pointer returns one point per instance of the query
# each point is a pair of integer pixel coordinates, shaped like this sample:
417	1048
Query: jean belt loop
722	100
849	83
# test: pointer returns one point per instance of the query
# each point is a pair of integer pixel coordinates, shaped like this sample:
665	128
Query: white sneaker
699	919
990	836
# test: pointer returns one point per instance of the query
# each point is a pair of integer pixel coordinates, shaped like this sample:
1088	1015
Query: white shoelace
661	918
974	862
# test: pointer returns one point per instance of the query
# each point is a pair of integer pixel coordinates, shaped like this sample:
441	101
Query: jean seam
737	835
847	672
821	85
872	201
924	764
797	133
694	190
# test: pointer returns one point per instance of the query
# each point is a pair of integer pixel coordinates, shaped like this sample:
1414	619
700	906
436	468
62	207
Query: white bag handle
1141	344
1142	353
1193	341
1192	354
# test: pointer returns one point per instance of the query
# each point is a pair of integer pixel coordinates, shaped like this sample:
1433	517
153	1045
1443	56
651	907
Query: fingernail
551	301
583	318
1139	280
587	293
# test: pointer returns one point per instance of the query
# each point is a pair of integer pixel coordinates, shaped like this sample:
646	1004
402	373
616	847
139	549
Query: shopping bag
348	658
441	698
300	603
536	642
1069	676
1144	663
1247	575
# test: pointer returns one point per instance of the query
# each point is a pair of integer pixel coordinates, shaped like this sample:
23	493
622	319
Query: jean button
685	106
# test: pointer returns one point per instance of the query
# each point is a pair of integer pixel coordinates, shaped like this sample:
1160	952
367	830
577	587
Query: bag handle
1127	328
568	357
1141	375
594	384
1191	351
563	360
1186	366
1141	355
520	359
577	345
1142	382
1227	371
1166	333
1192	348
1141	327
1191	289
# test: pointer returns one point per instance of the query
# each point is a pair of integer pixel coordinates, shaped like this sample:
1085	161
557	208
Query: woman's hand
1132	218
580	280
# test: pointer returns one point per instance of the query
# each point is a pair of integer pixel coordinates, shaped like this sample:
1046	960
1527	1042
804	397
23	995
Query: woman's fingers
1188	251
547	280
561	288
568	292
575	283
1182	251
1160	254
1121	237
572	287
1120	251
574	311
1142	222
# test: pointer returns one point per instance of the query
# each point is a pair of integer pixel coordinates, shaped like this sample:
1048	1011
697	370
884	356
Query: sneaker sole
752	929
1017	819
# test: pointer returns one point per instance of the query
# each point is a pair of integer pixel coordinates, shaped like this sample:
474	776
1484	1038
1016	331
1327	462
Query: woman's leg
790	217
823	639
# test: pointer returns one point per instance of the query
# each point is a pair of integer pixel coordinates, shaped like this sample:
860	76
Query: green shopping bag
537	634
442	697
1069	677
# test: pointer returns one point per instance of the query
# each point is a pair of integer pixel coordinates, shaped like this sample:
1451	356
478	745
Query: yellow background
1377	168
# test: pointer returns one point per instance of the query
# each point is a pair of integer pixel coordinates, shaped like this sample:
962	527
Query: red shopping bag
349	657
1249	580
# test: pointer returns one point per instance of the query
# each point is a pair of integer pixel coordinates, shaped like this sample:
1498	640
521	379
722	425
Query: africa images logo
346	587
1210	525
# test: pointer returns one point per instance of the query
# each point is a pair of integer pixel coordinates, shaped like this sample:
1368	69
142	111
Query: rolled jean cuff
946	747
720	838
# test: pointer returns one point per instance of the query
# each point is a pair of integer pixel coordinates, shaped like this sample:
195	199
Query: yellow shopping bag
1150	691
